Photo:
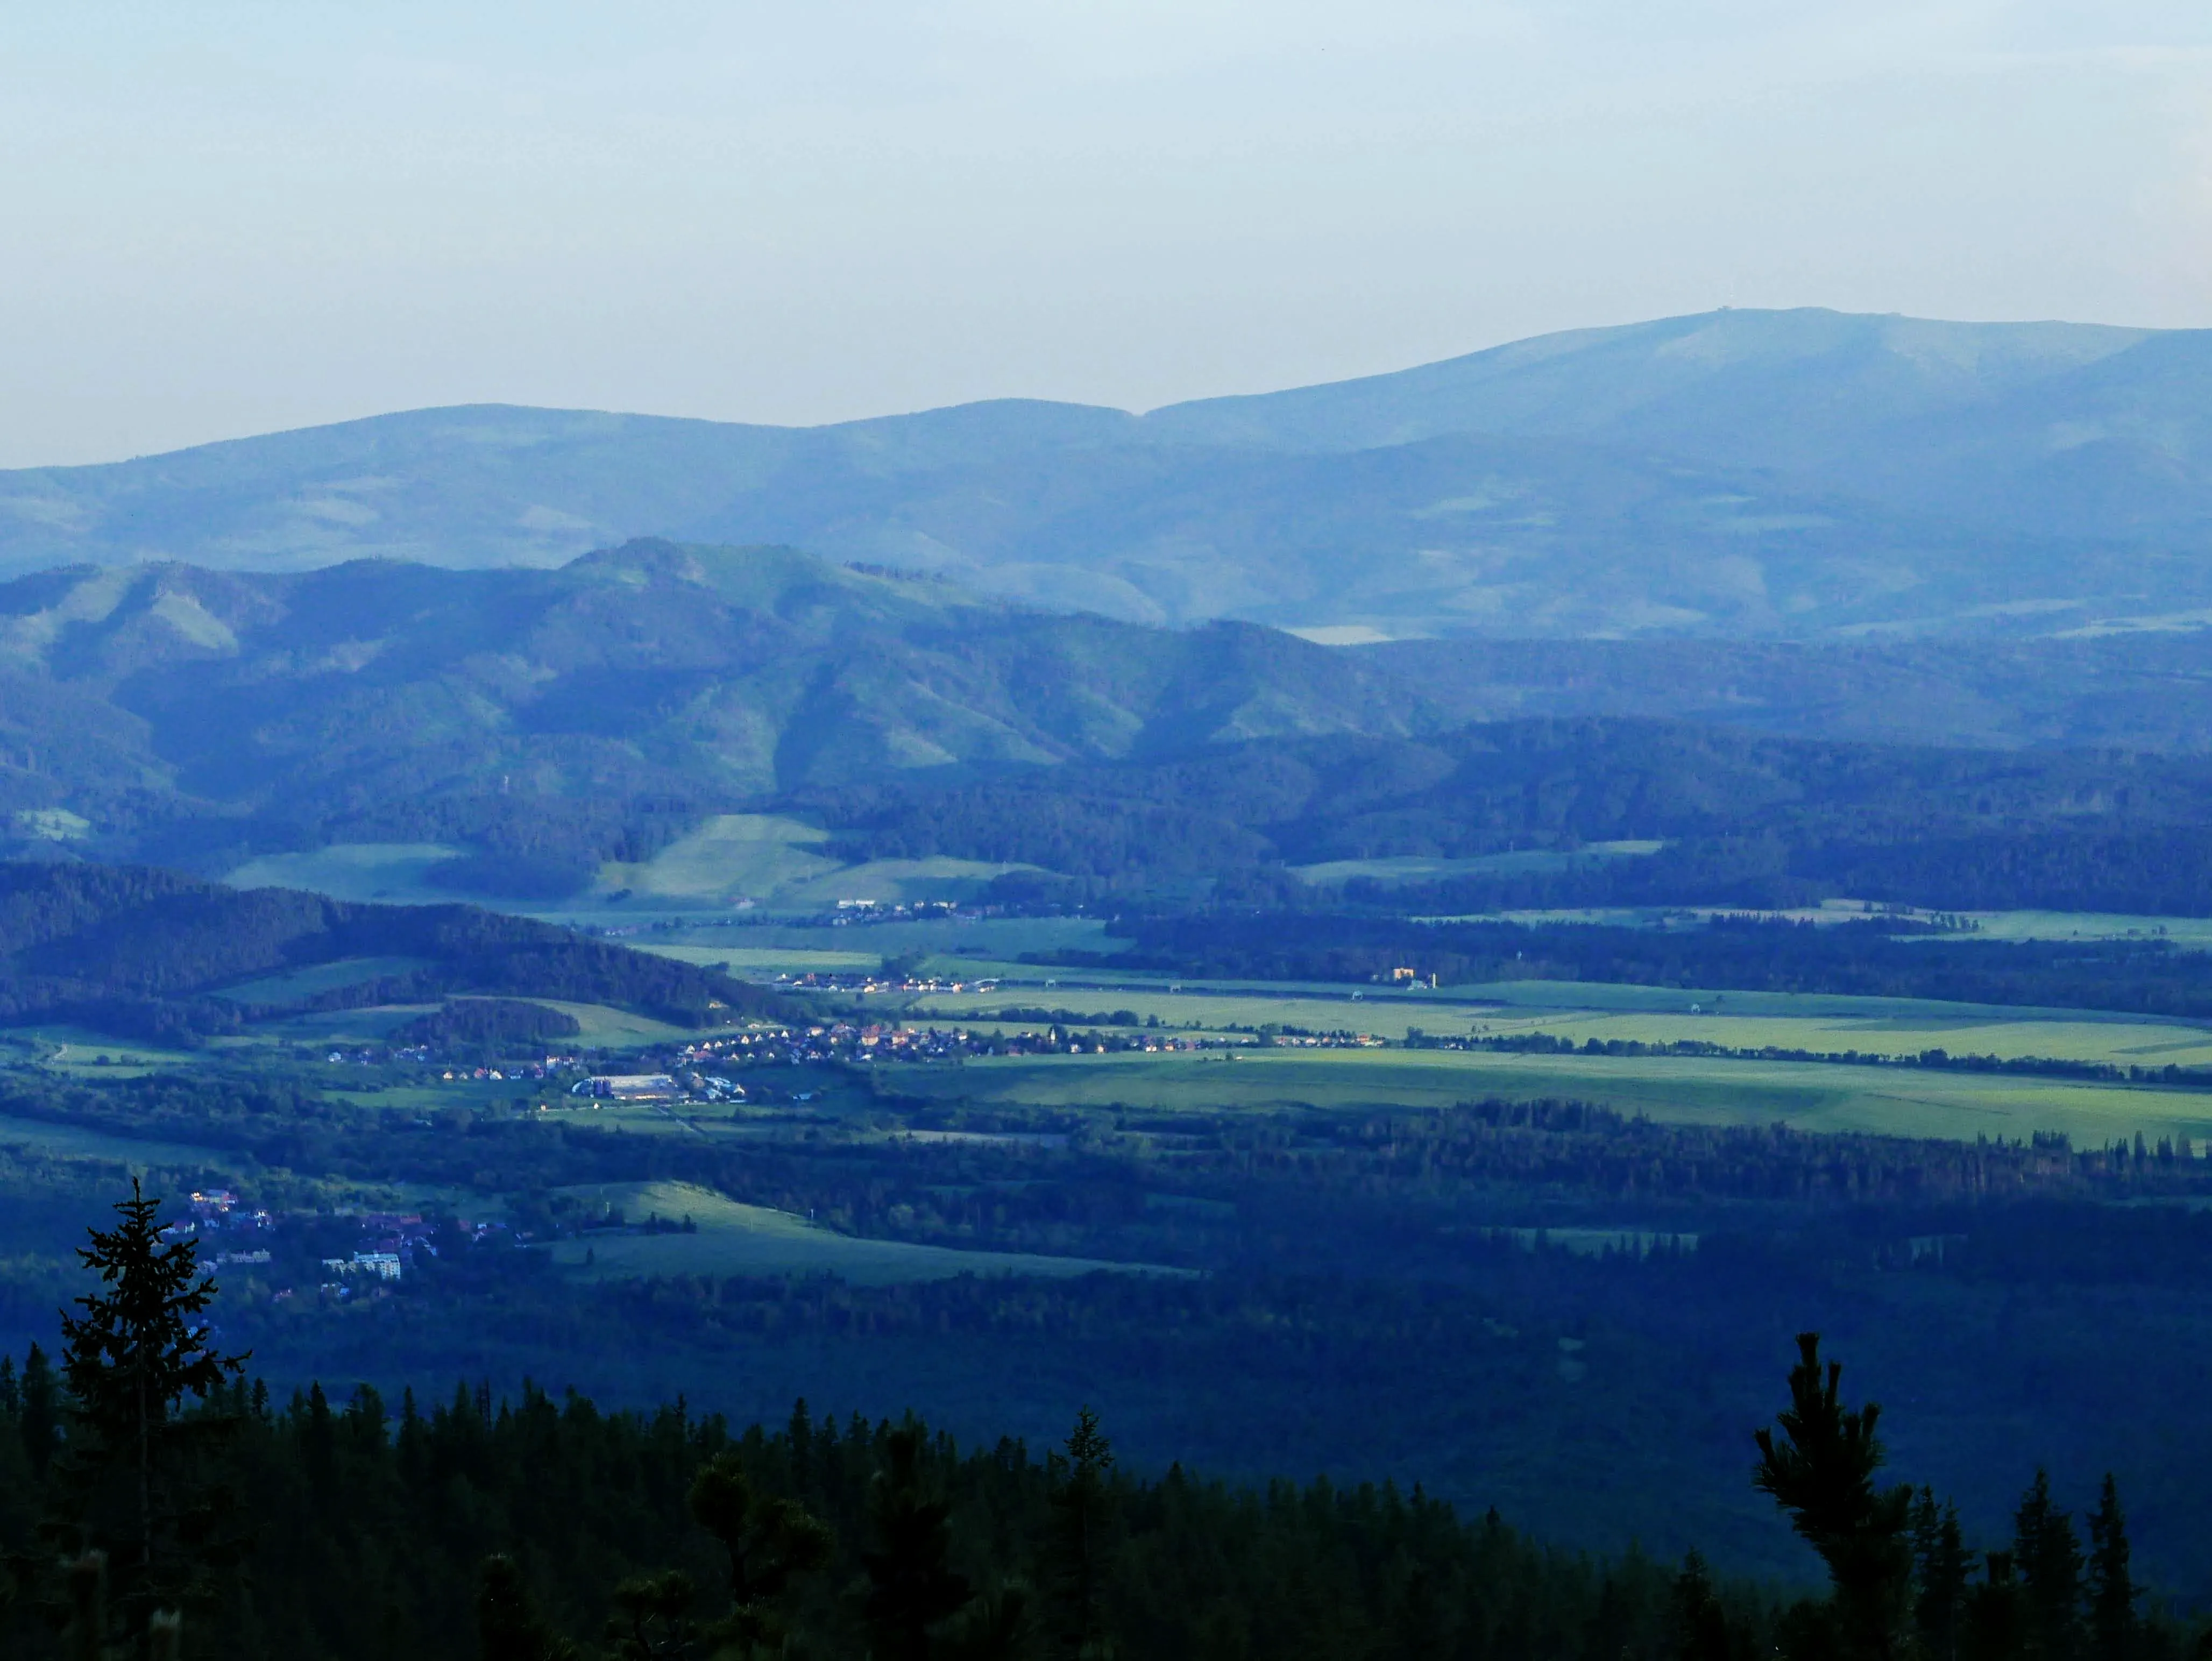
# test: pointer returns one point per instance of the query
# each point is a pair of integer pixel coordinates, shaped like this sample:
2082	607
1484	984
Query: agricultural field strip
1810	1096
1029	984
2122	1042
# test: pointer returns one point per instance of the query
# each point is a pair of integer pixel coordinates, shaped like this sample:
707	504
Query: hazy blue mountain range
1801	474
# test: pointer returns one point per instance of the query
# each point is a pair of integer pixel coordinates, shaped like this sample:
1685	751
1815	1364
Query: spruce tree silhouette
2047	1556
509	1625
767	1542
2113	1625
1942	1567
1823	1475
1080	1507
912	1588
41	1420
133	1473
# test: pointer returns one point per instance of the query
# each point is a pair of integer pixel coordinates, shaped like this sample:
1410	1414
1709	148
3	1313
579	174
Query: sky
219	219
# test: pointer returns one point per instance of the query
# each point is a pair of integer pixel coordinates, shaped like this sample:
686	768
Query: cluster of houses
863	981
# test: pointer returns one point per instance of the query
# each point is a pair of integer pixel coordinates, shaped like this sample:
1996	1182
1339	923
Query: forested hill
146	952
545	722
172	713
1535	814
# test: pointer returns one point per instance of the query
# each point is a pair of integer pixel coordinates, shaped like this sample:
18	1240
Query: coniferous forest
156	1500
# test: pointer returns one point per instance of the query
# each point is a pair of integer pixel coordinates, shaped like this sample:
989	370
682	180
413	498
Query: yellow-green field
602	1026
1812	1096
733	1239
1893	1027
2194	933
733	856
76	1052
778	861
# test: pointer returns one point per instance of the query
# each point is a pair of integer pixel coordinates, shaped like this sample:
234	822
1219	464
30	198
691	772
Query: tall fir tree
1821	1471
1942	1569
768	1541
2113	1624
39	1421
1997	1623
2047	1556
1081	1505
509	1626
135	1480
912	1586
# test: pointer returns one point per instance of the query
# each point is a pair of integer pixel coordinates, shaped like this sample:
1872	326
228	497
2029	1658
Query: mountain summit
1800	474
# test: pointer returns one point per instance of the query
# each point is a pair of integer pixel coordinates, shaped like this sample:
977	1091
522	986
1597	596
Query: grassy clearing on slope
388	871
1812	1096
898	881
753	1240
70	1142
319	978
733	856
1408	867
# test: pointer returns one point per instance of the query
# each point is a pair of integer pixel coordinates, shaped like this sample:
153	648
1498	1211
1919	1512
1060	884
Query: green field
68	1141
1407	868
776	861
1809	1095
389	871
1892	1027
2193	933
733	856
733	1239
602	1026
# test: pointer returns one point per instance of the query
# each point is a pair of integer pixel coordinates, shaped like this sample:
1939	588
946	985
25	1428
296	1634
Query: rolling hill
154	954
554	720
641	716
1805	474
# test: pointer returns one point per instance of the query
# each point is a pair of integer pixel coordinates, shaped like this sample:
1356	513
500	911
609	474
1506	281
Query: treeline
513	1530
139	952
149	1491
2146	976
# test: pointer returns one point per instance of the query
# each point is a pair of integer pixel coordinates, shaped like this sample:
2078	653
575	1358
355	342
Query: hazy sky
221	219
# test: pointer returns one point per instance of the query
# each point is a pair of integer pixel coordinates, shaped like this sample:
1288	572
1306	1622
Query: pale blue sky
226	218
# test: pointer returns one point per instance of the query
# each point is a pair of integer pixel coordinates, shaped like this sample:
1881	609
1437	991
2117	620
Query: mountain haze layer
1803	474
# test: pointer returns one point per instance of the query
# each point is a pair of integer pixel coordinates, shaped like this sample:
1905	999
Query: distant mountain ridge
1803	474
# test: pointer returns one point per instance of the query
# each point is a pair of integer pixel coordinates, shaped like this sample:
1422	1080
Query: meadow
388	871
1905	1101
734	1239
